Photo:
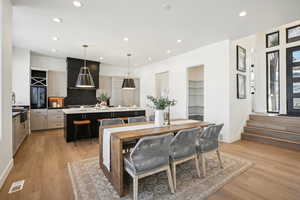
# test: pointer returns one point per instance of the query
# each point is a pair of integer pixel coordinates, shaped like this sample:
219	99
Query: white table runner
108	131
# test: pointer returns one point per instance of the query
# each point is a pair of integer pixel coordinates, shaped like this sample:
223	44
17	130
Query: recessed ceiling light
125	39
179	41
55	38
243	14
57	20
167	6
149	58
53	50
101	58
77	4
168	51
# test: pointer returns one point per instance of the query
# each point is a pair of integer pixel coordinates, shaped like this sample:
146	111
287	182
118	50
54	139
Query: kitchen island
94	114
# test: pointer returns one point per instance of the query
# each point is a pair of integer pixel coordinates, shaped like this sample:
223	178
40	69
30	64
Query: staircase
283	131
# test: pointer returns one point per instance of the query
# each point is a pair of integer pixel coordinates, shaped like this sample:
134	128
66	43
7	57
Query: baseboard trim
5	173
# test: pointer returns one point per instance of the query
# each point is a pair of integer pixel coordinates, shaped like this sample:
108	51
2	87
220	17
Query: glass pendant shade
128	83
85	79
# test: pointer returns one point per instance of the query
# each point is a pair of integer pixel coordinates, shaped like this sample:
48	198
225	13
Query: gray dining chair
107	122
207	142
136	119
114	121
183	149
149	156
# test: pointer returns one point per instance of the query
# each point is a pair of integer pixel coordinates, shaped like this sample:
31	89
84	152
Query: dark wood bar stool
78	123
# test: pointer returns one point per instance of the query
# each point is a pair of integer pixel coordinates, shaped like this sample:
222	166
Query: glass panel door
293	80
273	82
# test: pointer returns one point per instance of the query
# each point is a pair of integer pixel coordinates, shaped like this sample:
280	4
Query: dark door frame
289	81
267	80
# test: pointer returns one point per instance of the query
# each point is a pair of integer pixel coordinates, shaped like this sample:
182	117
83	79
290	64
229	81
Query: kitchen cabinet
20	130
55	118
43	119
39	119
94	117
56	79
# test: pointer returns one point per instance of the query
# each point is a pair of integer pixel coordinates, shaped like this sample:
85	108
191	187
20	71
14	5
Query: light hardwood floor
42	162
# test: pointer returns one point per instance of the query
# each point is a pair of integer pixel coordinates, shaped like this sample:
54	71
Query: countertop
98	110
14	114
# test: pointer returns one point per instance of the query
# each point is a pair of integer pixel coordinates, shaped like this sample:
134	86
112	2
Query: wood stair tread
292	124
273	130
271	138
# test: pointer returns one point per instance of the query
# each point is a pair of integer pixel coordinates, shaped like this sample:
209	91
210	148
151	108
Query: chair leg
197	165
219	158
174	174
90	133
75	135
170	180
135	188
203	164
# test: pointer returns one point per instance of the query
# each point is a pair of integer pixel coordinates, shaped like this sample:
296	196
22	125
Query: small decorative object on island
160	104
103	98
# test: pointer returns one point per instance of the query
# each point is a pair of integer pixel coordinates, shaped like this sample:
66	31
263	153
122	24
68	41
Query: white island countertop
100	110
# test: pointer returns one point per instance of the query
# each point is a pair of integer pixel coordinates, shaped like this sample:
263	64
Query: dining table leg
117	165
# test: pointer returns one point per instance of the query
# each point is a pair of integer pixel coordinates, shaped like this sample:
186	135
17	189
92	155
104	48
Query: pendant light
128	83
85	79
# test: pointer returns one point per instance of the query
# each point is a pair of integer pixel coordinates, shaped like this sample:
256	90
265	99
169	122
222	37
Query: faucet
13	98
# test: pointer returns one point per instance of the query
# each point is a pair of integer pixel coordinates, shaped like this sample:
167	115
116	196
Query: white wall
162	83
6	160
21	75
260	67
240	108
215	58
113	70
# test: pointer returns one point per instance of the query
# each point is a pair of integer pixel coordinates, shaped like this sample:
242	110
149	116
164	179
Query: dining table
113	137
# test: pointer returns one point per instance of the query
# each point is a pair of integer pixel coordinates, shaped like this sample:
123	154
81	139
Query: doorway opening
195	92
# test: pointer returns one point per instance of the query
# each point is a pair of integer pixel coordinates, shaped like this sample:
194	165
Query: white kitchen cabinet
43	119
20	131
39	119
57	80
55	118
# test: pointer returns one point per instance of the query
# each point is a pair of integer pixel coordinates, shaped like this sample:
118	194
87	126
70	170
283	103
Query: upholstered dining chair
136	119
114	121
183	149
149	156
208	142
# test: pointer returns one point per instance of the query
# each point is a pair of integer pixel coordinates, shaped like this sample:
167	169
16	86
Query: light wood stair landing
283	131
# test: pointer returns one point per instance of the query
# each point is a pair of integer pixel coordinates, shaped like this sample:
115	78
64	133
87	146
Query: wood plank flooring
42	162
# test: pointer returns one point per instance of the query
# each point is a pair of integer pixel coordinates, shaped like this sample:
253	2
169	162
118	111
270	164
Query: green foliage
160	103
103	97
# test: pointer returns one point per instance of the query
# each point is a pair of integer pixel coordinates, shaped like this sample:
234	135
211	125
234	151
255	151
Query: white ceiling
151	29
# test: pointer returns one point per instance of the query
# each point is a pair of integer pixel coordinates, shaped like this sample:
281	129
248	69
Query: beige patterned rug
89	182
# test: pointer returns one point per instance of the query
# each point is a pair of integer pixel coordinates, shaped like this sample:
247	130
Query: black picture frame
267	79
241	80
269	38
241	56
292	39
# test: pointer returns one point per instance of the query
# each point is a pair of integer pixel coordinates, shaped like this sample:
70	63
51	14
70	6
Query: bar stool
78	123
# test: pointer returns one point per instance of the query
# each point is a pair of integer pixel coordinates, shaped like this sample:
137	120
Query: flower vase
159	118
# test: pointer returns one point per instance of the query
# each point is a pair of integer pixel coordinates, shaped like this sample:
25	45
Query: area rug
89	182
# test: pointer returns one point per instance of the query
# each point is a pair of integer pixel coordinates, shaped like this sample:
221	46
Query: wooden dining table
116	173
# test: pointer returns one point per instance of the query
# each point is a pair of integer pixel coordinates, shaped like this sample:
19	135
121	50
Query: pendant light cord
128	67
84	56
